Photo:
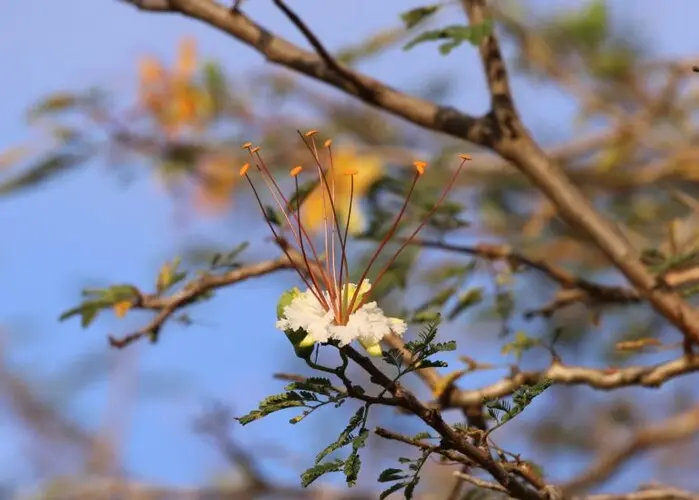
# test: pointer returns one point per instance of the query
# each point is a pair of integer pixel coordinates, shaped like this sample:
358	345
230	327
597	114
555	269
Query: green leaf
425	317
273	404
87	311
425	336
298	418
353	463
454	35
55	103
393	357
415	16
392	489
318	470
118	293
391	474
45	169
422	435
216	86
345	436
466	300
313	384
428	363
410	488
503	411
521	343
229	260
438	300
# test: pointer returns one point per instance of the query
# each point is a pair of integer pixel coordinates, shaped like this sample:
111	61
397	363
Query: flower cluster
331	309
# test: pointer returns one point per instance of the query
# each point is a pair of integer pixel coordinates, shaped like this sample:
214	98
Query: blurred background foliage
633	153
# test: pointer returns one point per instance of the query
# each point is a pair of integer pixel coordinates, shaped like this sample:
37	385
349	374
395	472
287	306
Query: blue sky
88	228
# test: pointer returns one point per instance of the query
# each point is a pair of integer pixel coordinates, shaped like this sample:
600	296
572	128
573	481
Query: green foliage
420	350
405	480
318	470
228	261
454	35
98	299
371	46
314	393
44	169
345	436
521	343
169	276
587	28
502	411
283	401
55	103
660	264
415	16
216	86
466	300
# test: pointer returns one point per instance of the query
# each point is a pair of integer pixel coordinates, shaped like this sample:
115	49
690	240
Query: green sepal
303	343
286	299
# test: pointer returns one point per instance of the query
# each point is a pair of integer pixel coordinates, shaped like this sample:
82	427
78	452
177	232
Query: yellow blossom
317	207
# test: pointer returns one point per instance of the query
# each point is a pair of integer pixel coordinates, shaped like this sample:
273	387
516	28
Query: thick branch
513	142
500	130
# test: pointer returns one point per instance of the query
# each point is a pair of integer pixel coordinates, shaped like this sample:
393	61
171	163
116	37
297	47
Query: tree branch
609	379
169	305
513	142
450	437
674	429
500	130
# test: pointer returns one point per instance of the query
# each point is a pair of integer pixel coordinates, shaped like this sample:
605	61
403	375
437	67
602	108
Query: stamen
247	145
311	133
465	157
303	248
244	169
255	149
316	292
344	294
276	193
385	239
294	172
327	143
331	198
420	166
427	218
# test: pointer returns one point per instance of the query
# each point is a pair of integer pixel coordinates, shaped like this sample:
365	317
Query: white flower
368	323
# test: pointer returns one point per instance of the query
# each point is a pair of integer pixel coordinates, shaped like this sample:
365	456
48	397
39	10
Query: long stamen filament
385	240
328	240
343	241
335	229
327	187
269	178
303	248
407	241
314	290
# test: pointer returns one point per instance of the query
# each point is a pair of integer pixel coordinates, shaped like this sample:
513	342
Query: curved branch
676	428
500	130
609	379
169	305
